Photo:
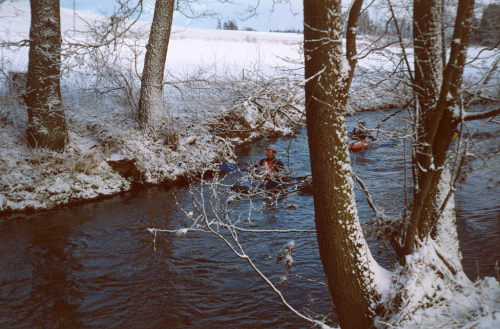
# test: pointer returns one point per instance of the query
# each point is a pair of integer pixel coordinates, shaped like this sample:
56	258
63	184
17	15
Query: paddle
300	178
230	167
384	145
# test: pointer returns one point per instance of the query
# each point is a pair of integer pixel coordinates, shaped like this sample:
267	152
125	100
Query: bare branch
483	115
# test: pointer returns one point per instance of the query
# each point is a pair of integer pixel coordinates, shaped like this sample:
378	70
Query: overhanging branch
482	115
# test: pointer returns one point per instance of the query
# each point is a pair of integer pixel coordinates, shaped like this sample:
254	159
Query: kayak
246	187
255	186
259	186
251	186
359	145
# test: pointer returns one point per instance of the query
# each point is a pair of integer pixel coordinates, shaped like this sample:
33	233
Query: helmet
362	123
273	148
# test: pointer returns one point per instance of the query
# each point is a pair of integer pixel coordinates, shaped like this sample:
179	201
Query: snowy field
187	49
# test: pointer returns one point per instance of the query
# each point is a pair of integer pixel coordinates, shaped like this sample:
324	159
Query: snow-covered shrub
110	69
166	130
87	162
12	107
264	108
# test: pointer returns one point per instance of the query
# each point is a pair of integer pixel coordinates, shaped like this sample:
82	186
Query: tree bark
46	119
343	250
436	111
151	98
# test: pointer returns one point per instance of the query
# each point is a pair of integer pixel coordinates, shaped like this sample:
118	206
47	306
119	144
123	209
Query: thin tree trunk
450	110
151	98
46	120
438	117
427	44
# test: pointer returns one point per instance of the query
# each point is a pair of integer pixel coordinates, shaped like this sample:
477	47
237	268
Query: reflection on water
93	265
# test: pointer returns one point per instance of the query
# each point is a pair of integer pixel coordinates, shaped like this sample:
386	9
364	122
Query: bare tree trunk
344	253
151	98
436	114
46	120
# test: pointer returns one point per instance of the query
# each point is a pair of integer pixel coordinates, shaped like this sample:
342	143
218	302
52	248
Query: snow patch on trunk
446	228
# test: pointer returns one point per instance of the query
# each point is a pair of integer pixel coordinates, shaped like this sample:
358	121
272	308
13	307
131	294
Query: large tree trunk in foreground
151	99
344	253
46	120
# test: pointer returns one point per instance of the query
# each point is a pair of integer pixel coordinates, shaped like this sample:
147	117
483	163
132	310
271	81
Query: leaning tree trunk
151	98
343	250
437	93
46	120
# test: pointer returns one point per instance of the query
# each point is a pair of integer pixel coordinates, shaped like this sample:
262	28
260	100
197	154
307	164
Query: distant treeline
288	31
228	25
486	31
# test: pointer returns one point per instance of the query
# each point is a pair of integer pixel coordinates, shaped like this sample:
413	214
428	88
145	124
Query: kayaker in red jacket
272	167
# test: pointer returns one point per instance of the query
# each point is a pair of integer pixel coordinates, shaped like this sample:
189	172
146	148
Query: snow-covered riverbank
218	97
224	88
106	155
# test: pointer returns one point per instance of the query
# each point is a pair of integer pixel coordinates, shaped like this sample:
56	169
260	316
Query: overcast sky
284	16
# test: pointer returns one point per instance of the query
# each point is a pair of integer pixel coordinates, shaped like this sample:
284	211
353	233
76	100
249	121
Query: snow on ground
425	294
187	48
36	179
102	131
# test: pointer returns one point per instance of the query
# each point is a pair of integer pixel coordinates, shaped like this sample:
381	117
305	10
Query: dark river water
95	265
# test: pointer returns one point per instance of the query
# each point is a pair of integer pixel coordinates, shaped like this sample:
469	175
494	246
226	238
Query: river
95	265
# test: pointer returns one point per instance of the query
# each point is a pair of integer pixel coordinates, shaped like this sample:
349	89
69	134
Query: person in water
272	167
360	133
